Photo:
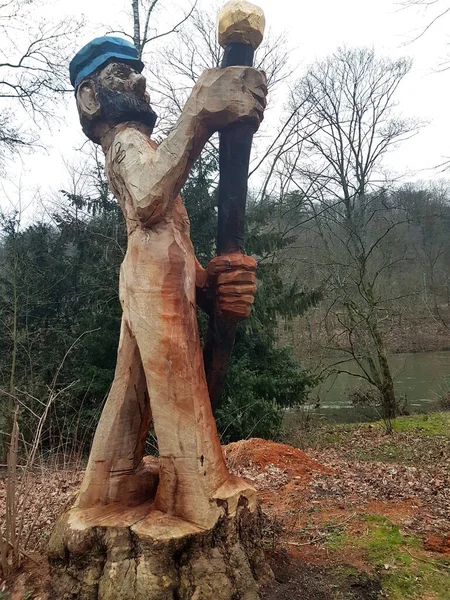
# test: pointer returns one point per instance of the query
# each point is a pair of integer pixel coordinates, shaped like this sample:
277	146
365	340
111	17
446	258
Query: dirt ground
363	515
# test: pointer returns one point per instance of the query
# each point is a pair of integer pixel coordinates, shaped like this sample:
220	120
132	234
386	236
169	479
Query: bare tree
197	49
34	56
434	10
10	224
143	30
178	67
348	126
144	21
428	209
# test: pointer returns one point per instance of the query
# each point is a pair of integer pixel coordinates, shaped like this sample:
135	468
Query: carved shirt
129	163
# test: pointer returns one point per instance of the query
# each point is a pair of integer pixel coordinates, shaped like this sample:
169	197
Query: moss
336	536
421	581
385	544
394	555
346	571
433	423
430	424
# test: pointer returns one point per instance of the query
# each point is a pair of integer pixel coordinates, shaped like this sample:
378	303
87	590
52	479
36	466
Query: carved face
122	77
114	94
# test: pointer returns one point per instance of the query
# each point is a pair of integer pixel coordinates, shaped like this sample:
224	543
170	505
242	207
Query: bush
303	428
370	403
262	382
442	403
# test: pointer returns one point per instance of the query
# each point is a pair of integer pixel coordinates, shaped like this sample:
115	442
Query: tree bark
387	391
136	26
10	405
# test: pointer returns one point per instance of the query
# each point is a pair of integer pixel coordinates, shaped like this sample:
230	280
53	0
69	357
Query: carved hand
233	276
234	94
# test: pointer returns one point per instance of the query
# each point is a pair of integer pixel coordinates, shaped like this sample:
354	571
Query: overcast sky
315	29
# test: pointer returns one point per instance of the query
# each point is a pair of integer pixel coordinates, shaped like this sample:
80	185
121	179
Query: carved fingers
228	263
257	85
234	94
233	276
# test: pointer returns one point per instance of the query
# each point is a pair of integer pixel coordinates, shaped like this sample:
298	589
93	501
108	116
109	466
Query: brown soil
437	543
34	576
297	579
262	455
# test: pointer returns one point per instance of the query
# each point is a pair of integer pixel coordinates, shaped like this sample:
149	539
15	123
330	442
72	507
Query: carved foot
126	487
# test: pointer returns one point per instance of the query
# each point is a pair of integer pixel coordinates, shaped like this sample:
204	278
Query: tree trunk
10	405
388	400
136	26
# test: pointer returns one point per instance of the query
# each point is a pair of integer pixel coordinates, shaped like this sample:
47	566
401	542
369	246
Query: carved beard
119	107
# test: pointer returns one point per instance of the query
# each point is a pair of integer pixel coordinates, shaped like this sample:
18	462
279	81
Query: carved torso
153	253
128	161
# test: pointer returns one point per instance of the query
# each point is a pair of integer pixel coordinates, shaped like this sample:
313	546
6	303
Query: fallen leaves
49	492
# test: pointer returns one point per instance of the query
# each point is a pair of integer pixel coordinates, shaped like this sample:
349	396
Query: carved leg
116	471
195	484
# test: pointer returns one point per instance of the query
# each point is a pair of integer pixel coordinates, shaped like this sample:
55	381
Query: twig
429	562
310	543
25	554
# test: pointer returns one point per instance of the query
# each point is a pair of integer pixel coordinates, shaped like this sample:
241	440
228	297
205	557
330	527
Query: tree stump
121	553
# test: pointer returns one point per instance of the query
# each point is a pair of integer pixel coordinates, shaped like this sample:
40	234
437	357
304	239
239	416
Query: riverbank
358	515
421	381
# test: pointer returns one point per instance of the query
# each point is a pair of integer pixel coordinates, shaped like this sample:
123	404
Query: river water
421	377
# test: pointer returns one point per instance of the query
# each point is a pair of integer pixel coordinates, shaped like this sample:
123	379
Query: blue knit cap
97	53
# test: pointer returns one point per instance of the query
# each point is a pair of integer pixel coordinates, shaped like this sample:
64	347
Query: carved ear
87	98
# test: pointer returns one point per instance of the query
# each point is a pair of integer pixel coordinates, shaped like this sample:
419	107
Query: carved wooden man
160	376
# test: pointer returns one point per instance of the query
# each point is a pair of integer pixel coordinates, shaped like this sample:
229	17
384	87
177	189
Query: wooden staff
241	28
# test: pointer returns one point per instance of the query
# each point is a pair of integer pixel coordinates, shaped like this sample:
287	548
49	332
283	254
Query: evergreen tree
263	378
64	276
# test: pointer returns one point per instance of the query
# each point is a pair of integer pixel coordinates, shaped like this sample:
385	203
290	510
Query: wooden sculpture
179	526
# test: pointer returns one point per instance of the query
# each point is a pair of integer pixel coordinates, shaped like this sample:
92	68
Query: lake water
422	377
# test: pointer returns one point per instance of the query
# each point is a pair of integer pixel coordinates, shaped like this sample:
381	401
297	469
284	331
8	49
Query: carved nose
138	83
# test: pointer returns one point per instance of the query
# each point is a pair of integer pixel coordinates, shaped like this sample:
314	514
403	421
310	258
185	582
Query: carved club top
241	22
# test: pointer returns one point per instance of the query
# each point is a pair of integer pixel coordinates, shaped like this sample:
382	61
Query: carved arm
155	177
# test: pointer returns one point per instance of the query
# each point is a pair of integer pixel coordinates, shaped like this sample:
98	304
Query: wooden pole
241	28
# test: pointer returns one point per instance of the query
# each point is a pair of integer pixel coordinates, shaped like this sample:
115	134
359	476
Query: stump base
122	553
